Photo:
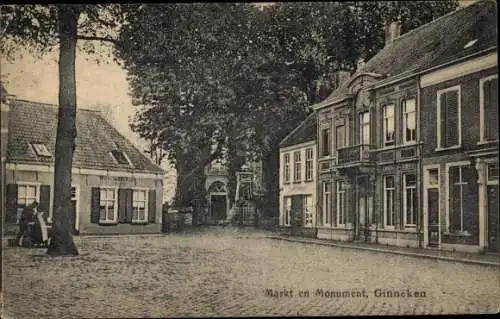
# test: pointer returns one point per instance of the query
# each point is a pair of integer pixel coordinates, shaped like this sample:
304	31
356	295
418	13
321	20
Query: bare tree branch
97	38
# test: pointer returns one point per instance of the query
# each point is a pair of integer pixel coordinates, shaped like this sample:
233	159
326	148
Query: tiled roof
305	132
31	122
436	42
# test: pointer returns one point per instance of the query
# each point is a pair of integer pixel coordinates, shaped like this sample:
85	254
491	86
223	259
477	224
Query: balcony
354	155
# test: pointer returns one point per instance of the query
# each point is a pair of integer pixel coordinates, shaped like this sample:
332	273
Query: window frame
362	126
448	184
482	126
146	205
327	203
326	152
115	205
439	142
287	210
124	155
405	119
41	149
309	162
385	190
405	197
297	166
308	208
344	132
385	122
37	189
340	197
286	168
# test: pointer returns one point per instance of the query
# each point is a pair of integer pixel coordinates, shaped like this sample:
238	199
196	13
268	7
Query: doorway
218	207
431	207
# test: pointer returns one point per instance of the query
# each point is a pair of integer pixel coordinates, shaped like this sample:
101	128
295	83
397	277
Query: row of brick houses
407	146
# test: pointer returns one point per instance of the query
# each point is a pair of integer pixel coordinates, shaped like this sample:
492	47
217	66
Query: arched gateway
218	201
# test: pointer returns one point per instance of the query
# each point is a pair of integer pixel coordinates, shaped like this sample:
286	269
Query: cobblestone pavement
226	272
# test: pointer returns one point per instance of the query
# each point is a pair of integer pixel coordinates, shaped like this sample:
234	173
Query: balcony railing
354	154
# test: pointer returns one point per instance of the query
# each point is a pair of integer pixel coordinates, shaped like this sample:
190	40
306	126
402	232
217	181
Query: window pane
410	180
111	214
340	136
433	176
21	192
111	194
30	191
389	181
492	172
102	213
409	106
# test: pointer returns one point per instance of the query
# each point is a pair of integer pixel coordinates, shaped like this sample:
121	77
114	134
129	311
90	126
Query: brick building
408	145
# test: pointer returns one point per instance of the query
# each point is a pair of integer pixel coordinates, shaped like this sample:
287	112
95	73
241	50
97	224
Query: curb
394	252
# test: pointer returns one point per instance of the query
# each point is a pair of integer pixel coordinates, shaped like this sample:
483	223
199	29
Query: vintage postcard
249	159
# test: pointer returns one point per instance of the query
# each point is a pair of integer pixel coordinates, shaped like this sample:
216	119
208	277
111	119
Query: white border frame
481	107
439	147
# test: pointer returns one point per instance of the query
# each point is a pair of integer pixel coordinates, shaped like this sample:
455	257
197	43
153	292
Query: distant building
115	188
297	197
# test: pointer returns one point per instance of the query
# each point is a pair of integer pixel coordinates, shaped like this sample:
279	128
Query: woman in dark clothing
26	217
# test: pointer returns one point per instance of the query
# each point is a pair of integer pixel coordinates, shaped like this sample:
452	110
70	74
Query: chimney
340	77
392	32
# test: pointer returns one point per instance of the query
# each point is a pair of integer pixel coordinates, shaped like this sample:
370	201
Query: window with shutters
488	96
27	193
448	118
108	205
409	121
286	168
389	201
326	139
309	164
139	206
341	211
462	204
410	200
297	166
388	126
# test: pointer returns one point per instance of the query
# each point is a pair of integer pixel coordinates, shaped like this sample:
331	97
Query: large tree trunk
62	243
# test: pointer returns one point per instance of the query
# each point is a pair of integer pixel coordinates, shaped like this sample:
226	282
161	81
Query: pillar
482	201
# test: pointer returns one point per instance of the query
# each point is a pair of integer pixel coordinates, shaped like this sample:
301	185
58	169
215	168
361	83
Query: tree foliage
233	77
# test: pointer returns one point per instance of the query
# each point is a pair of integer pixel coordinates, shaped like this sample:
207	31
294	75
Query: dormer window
41	149
120	157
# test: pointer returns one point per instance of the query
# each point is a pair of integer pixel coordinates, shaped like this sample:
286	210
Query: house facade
297	196
407	152
115	188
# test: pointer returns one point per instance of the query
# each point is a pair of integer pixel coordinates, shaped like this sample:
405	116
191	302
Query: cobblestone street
222	272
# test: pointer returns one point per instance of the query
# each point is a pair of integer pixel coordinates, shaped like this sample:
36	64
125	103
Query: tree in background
41	29
233	76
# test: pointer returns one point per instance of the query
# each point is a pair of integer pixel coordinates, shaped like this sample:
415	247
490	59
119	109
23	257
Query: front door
218	207
433	220
493	219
